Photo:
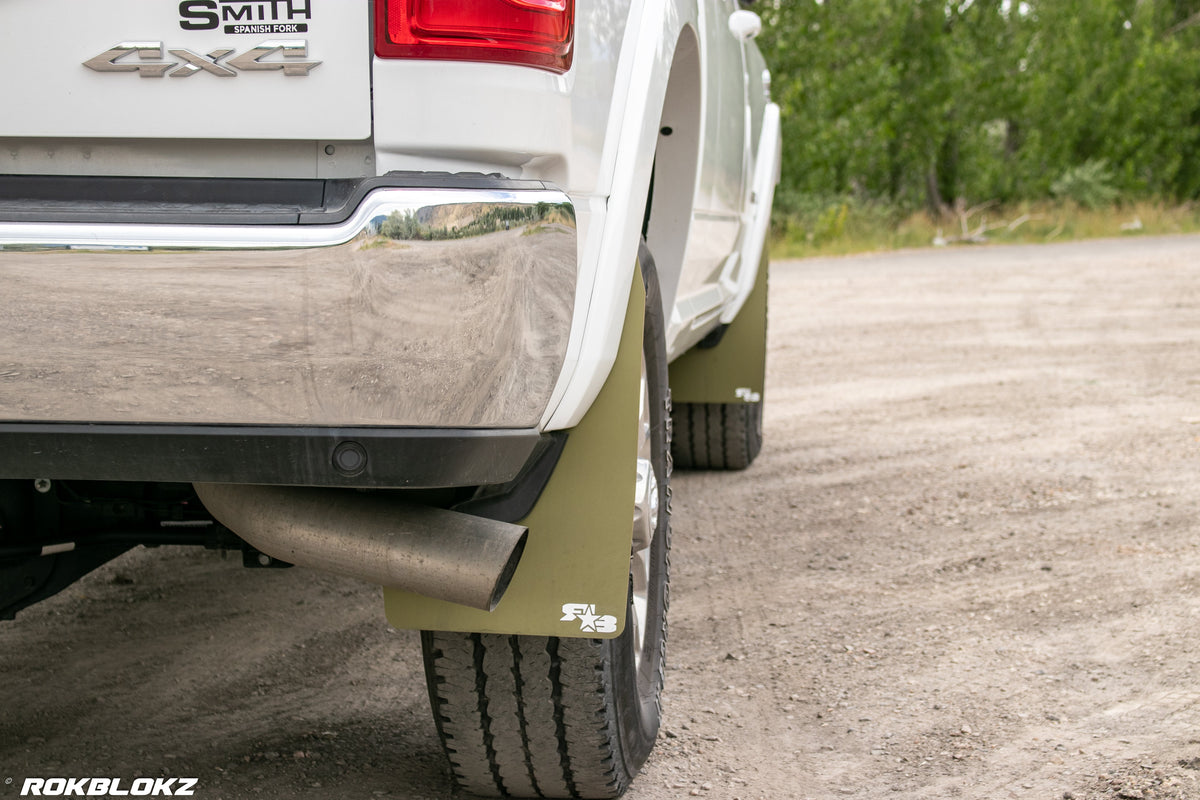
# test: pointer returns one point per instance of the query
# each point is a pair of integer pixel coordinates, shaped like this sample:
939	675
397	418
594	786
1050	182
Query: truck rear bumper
432	308
363	457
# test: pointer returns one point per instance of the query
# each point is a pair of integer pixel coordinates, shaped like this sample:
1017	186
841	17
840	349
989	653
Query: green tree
921	102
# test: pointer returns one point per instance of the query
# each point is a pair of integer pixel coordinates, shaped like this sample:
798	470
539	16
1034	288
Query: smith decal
272	17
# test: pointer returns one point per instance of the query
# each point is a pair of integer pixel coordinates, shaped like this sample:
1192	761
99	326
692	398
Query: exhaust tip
445	555
506	573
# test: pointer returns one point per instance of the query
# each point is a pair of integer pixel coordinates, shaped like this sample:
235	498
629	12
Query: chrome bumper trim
426	308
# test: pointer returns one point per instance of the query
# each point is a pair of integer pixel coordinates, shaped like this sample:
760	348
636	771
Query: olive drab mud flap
573	578
734	371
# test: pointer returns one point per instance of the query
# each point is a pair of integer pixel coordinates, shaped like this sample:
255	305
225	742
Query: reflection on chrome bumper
433	308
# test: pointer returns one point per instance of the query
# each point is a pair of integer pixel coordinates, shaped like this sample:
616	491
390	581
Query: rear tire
716	435
537	716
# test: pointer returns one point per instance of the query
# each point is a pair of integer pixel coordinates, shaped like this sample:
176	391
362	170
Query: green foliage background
900	105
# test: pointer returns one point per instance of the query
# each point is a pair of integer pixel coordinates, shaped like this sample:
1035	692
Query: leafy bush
1090	184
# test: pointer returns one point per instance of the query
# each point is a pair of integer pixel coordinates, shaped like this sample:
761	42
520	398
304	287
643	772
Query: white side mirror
745	25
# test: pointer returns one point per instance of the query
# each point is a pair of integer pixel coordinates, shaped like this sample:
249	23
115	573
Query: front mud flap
735	370
573	579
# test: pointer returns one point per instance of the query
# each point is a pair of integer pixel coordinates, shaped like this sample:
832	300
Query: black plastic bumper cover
348	457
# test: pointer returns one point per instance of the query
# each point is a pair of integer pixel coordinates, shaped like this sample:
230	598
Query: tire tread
536	721
718	436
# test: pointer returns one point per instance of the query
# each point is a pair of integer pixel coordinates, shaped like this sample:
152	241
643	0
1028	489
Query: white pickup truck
407	290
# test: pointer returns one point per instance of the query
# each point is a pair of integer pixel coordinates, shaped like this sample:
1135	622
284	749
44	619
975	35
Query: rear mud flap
573	579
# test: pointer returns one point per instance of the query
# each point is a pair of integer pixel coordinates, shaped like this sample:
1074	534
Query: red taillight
534	32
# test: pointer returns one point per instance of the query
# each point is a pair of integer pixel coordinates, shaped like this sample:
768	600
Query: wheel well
673	185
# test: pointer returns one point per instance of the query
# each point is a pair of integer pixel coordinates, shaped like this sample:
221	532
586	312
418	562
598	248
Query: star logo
588	619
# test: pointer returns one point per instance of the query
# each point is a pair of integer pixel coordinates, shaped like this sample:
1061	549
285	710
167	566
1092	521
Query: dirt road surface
966	565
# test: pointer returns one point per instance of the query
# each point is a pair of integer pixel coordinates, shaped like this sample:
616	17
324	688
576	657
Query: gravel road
966	565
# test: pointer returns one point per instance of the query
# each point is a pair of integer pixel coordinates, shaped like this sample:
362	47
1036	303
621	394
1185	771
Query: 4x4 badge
149	62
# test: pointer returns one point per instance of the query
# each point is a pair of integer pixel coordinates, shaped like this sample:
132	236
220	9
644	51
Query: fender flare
652	35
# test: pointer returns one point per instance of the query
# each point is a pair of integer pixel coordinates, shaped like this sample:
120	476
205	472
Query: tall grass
844	227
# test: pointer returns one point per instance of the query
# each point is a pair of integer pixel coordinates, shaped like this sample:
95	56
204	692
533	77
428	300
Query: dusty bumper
445	308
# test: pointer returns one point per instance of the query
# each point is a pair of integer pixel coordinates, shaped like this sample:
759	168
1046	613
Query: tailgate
199	69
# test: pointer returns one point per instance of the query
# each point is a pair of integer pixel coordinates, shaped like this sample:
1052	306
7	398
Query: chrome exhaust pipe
430	551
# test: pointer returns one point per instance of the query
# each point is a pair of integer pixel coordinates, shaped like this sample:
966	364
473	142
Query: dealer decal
271	17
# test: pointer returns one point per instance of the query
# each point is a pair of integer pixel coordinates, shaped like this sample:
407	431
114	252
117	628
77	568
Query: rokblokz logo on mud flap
108	787
589	620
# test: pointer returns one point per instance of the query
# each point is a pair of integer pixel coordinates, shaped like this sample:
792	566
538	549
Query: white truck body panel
198	96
